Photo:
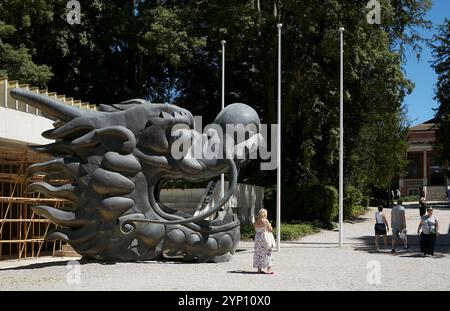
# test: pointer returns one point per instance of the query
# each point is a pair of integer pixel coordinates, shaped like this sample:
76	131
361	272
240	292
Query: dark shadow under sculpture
113	163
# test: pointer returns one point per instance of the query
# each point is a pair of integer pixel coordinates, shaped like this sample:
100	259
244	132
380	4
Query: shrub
314	202
288	232
321	202
365	201
354	202
247	232
291	232
411	198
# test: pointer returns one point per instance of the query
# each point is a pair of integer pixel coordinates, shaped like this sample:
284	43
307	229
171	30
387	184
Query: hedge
289	232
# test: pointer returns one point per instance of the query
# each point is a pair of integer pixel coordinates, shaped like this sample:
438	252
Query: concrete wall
245	202
18	121
24	127
186	200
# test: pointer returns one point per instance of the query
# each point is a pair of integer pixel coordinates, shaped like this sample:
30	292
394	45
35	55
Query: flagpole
341	142
278	224
222	176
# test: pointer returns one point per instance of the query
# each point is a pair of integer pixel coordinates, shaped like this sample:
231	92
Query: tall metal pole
222	177
279	142
341	144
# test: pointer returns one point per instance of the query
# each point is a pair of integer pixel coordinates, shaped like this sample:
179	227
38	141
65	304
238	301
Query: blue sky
420	103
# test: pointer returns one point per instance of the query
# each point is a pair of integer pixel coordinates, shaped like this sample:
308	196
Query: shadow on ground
354	220
368	245
245	272
84	261
40	265
294	244
436	206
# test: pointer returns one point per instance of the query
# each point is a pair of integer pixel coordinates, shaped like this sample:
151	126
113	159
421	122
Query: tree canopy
441	53
16	60
170	51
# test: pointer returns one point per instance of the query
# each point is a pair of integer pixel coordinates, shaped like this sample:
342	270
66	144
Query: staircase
436	193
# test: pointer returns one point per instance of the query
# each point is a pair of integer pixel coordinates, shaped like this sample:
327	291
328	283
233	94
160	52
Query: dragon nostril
165	115
148	124
177	114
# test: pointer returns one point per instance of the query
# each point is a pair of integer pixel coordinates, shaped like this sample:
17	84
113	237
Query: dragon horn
47	105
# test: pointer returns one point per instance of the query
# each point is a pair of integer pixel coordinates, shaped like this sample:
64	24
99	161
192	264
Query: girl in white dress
262	258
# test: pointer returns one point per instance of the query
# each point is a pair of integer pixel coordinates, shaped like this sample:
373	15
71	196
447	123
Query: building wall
420	141
421	136
20	126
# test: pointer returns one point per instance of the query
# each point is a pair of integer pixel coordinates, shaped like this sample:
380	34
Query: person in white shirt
430	230
381	227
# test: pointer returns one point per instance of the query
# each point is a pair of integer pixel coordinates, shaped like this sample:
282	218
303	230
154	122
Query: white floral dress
262	257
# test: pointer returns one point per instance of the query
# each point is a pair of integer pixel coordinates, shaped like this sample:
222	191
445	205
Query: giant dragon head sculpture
113	163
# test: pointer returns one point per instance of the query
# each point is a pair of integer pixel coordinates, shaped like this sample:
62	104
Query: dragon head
113	162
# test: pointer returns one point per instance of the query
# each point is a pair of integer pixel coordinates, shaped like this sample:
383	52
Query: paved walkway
312	263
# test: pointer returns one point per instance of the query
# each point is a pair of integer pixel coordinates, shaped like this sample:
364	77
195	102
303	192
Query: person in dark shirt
422	204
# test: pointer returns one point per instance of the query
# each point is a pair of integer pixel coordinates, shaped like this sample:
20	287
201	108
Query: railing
413	182
7	101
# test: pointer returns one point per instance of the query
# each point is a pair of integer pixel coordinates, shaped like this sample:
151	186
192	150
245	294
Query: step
436	198
436	192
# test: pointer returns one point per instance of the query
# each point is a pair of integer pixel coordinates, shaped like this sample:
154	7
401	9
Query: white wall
24	127
245	201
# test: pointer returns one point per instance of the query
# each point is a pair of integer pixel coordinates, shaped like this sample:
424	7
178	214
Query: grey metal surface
115	161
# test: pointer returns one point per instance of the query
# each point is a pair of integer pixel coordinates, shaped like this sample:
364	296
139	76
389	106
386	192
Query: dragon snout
233	135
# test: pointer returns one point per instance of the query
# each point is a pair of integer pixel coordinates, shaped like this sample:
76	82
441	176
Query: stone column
425	168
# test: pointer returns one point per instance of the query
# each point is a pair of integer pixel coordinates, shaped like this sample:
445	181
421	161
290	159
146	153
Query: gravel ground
312	263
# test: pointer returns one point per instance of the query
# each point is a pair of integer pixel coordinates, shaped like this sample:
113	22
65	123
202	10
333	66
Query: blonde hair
262	213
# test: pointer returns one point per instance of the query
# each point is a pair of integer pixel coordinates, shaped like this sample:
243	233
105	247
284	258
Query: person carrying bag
430	230
264	243
269	239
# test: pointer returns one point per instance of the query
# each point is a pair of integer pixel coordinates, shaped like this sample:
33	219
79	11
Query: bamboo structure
22	231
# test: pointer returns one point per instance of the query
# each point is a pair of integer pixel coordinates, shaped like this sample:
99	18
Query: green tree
441	64
116	52
16	61
170	51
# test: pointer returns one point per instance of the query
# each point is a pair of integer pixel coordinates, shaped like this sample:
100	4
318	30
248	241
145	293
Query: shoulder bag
269	240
